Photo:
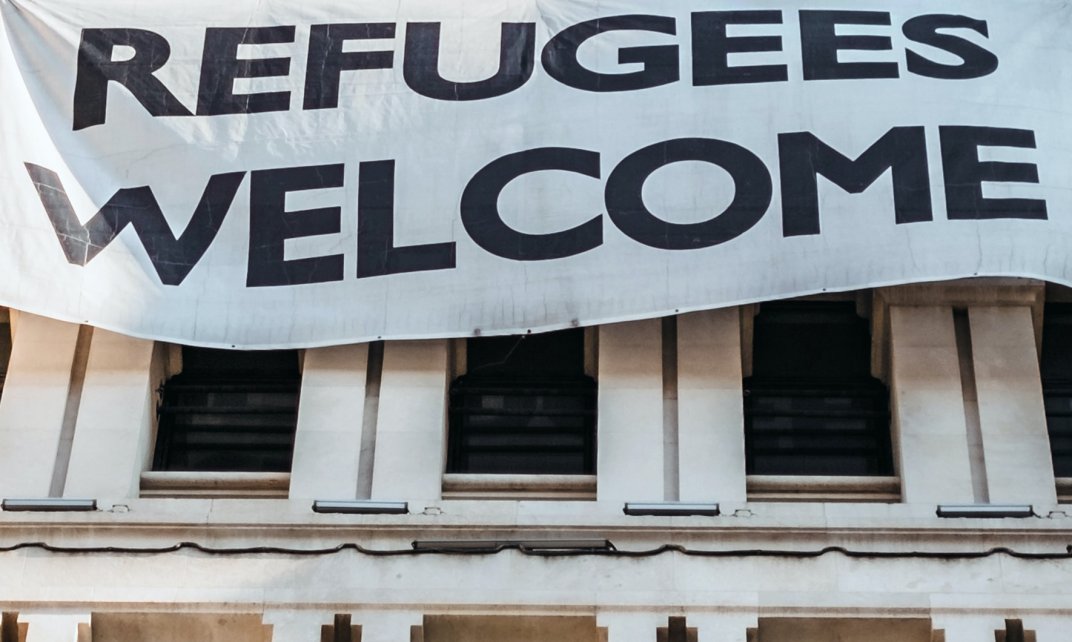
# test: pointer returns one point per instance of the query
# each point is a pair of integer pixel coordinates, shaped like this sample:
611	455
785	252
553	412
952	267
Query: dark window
524	406
229	410
1056	366
5	351
811	404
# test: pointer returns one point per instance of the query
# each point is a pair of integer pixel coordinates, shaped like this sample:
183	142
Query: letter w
173	258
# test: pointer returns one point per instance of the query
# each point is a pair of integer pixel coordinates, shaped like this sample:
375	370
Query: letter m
803	157
172	257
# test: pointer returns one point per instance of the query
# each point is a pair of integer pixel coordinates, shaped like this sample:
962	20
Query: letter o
625	200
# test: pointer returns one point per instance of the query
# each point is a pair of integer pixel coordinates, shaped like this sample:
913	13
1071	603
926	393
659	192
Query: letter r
96	68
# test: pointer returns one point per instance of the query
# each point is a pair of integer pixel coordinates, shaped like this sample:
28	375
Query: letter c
484	224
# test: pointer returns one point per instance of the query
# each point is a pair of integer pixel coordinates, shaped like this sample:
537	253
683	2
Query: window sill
823	488
1064	490
214	484
553	487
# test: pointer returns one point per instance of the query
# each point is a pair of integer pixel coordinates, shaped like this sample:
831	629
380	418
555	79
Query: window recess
226	424
5	346
523	408
1056	369
812	409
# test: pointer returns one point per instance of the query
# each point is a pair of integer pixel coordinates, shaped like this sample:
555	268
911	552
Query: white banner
260	173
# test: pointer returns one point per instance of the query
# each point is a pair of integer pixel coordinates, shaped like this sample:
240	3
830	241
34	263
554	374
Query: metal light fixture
671	509
992	511
360	507
478	545
43	504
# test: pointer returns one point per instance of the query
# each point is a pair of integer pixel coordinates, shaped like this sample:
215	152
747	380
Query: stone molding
959	293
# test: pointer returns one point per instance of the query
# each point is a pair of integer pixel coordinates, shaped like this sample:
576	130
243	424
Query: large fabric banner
260	173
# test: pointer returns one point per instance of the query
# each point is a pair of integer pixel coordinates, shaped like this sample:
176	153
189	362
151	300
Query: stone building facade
232	556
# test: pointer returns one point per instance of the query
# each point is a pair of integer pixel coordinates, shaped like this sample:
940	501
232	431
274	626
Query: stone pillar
1012	416
52	627
930	429
388	626
710	410
969	628
327	445
1053	628
988	390
296	626
113	434
630	421
632	627
722	627
411	427
33	404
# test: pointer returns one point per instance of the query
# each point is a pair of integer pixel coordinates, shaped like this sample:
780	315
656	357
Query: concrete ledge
214	484
291	522
812	488
561	487
1064	490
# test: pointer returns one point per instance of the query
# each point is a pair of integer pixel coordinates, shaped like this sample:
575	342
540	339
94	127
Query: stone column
929	427
969	628
411	427
113	434
722	627
1012	416
389	626
34	403
327	445
296	626
50	627
631	627
710	407
630	421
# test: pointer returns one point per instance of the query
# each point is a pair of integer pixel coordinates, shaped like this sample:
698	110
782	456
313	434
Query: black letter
96	68
804	157
517	55
327	60
377	254
625	197
978	62
220	66
711	48
480	206
270	225
820	45
172	258
660	62
965	174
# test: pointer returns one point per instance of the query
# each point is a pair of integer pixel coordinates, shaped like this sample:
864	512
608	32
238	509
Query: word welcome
802	158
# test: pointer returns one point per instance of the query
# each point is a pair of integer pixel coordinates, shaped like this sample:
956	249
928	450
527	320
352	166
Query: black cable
541	552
